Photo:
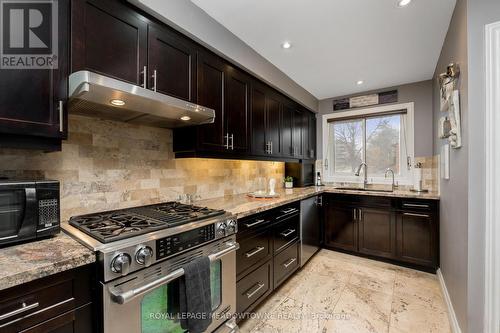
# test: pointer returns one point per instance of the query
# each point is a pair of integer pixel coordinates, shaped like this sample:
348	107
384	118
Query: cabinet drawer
286	263
254	249
416	205
286	232
254	287
254	223
27	305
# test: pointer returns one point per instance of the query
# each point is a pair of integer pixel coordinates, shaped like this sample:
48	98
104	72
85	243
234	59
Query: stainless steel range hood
97	95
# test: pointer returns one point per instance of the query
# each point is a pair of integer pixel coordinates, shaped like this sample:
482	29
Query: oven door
17	212
148	301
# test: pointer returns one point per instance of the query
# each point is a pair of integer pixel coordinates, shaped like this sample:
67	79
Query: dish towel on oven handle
195	296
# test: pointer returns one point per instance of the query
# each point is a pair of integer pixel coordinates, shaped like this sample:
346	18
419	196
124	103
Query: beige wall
108	165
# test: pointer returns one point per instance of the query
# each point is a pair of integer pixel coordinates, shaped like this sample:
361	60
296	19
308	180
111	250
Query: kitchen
201	166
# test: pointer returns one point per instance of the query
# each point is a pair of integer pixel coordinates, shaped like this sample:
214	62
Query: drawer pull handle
249	225
290	262
259	287
415	205
288	210
287	233
22	309
254	252
417	215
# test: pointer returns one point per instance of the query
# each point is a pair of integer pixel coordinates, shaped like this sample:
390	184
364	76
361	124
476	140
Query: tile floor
339	293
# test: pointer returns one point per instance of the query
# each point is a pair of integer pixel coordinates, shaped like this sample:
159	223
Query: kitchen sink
362	189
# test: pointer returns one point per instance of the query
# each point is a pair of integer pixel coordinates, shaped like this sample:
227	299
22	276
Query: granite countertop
30	261
242	205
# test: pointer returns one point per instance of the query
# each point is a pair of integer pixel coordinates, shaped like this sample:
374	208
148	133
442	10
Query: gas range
128	240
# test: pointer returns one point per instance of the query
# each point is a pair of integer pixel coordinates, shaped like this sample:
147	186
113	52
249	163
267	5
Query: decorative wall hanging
449	125
365	100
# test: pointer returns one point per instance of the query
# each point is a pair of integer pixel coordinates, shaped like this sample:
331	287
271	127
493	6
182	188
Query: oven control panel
168	246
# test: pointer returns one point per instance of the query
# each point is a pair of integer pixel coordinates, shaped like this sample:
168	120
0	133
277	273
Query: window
381	137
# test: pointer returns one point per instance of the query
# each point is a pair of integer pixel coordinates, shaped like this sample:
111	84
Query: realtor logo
28	38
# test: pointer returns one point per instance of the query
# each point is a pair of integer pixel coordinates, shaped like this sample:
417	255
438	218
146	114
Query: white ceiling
335	43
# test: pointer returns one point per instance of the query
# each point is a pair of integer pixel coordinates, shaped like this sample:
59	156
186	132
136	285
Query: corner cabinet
401	230
33	101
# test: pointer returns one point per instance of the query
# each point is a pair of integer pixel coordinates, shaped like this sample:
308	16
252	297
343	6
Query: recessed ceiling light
117	102
360	82
185	118
403	3
286	45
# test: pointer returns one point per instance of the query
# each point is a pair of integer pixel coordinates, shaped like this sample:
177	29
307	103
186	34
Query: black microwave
302	172
28	210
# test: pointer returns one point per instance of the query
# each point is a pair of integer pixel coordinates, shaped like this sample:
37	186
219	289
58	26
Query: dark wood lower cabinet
75	321
286	263
377	228
254	287
416	238
269	254
341	227
404	231
59	303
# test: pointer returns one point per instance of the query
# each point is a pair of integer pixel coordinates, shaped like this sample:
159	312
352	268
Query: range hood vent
100	96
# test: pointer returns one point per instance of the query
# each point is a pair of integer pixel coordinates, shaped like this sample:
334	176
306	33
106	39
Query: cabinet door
259	137
174	60
416	239
237	95
30	98
210	93
309	135
377	228
298	124
341	229
108	38
286	131
273	114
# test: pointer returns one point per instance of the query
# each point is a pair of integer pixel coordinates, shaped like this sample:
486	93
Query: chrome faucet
365	182
392	173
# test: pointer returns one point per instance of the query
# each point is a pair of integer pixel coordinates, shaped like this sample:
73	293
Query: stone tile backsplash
109	165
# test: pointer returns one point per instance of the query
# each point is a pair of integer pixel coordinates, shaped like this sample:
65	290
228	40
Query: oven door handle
122	297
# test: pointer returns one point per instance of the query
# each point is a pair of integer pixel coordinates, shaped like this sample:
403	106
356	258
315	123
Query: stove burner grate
115	225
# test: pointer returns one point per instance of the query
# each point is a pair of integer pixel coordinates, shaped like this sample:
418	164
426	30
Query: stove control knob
221	230
231	227
144	256
121	264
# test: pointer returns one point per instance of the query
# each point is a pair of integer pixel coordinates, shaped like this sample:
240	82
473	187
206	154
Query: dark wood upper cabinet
273	128
298	125
33	101
210	93
259	120
377	228
237	104
173	60
309	135
266	122
287	130
109	38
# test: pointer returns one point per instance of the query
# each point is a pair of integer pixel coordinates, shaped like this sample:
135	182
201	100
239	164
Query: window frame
328	161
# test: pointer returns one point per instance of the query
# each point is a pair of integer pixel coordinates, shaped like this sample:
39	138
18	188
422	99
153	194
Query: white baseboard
455	328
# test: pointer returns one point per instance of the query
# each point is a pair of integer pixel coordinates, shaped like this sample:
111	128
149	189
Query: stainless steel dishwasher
310	227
